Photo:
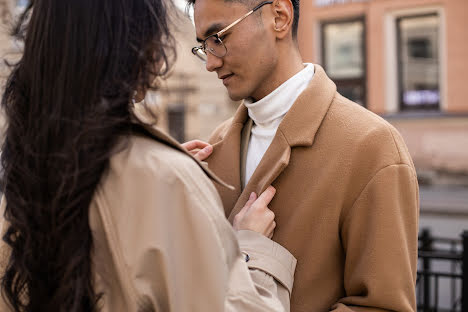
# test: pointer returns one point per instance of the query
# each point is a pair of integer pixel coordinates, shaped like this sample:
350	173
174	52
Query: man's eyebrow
211	30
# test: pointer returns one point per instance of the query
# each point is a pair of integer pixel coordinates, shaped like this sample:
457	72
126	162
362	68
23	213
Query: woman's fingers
248	204
265	198
204	153
256	216
199	149
194	145
271	229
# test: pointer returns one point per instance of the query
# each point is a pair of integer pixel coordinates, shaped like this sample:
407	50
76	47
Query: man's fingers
195	144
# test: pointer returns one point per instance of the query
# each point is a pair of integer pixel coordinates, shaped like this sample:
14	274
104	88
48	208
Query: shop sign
322	3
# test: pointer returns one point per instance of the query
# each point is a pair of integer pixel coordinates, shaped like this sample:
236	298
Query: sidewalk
444	201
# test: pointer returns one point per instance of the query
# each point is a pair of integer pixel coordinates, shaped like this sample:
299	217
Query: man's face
251	56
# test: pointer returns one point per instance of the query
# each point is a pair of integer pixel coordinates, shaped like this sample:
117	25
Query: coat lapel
225	159
298	128
272	164
244	146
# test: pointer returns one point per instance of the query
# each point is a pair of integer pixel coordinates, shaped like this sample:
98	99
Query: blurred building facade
190	102
405	60
402	59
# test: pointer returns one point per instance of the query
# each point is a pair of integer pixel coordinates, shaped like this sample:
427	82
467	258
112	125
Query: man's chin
235	96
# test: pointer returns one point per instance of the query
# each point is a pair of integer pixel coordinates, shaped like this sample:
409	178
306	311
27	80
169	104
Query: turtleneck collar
275	105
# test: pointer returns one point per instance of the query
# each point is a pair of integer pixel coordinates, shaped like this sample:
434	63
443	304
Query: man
347	195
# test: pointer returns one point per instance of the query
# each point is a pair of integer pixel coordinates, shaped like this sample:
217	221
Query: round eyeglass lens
215	46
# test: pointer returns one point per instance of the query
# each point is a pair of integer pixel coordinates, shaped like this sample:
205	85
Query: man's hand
199	149
256	216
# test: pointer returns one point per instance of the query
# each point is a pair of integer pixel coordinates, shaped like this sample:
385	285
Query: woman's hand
199	149
256	216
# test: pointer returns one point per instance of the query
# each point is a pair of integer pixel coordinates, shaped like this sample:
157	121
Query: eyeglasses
214	45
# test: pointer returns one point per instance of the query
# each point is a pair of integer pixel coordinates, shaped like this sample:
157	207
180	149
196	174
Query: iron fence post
426	246
465	272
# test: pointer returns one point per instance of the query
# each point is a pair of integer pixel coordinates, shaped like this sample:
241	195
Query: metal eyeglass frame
202	48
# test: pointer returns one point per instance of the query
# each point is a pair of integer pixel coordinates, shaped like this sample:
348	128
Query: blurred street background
405	60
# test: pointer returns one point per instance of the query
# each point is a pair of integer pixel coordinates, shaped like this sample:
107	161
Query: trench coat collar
298	128
160	136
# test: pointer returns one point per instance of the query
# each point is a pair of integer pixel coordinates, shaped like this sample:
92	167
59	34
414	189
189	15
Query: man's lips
225	78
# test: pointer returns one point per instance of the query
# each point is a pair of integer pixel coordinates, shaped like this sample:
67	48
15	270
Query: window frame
391	96
362	81
400	81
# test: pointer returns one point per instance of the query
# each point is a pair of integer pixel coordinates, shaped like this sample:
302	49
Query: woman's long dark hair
67	104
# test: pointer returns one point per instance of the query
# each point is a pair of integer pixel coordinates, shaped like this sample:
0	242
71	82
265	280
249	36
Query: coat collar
160	136
298	128
302	121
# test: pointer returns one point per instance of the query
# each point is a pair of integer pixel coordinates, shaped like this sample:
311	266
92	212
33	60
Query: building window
176	121
418	62
343	56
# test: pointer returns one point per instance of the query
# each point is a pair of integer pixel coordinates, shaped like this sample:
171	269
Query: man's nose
213	62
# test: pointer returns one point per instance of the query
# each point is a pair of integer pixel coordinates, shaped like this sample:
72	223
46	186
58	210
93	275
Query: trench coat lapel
165	138
298	128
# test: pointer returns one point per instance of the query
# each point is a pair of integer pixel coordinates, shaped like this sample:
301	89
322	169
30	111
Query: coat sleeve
181	252
271	265
380	239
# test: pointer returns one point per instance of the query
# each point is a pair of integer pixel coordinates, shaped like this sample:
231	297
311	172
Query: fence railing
442	281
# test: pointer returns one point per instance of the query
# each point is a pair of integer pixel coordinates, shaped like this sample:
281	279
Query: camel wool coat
346	203
162	242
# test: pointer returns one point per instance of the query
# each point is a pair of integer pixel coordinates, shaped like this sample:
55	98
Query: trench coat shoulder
158	224
153	211
147	160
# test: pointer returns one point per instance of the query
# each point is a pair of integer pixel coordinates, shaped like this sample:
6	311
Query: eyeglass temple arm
240	19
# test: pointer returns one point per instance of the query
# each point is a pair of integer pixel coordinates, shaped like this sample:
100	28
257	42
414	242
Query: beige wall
435	140
438	144
376	11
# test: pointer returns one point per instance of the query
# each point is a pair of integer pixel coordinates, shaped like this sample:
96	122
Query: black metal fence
442	282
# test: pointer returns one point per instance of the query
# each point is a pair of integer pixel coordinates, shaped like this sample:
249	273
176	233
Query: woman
100	212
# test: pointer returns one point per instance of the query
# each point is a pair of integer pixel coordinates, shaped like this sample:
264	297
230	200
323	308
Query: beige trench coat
346	204
162	242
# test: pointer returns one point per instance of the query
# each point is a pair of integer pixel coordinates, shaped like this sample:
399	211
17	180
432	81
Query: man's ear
283	11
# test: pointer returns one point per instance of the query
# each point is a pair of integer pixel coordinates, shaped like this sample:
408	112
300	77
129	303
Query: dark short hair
295	4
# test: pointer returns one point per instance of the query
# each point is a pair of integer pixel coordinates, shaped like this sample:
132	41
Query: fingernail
252	196
208	148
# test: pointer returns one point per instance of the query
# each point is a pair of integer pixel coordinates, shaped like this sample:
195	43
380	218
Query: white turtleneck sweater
268	113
